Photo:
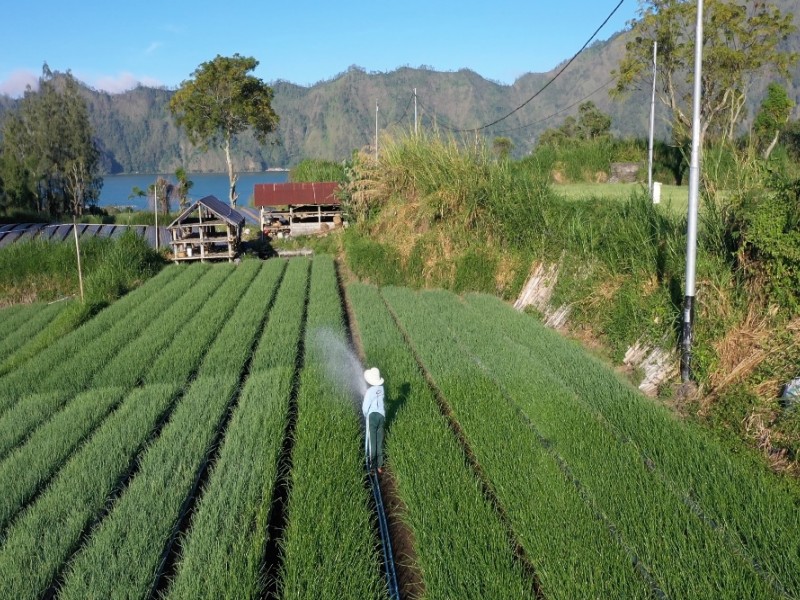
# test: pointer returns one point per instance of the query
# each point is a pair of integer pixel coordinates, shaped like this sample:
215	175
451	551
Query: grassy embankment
435	213
40	271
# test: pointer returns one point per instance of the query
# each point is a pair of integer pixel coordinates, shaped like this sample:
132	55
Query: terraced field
200	438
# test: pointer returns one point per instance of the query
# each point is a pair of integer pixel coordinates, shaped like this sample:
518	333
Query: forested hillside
332	118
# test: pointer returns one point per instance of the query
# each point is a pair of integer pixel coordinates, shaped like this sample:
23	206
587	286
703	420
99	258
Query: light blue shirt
373	401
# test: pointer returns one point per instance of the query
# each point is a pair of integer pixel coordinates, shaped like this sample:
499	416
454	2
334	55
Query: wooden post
78	254
202	234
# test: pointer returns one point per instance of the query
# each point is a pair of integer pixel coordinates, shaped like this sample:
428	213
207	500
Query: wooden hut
298	208
208	230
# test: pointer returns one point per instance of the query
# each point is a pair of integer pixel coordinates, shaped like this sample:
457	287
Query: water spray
341	363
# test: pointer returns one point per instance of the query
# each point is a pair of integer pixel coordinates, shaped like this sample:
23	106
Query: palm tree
183	187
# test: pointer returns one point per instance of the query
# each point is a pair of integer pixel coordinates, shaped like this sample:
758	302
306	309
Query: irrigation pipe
386	543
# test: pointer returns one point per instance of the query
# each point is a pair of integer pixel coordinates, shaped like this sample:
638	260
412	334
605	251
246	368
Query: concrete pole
155	208
376	131
652	125
694	189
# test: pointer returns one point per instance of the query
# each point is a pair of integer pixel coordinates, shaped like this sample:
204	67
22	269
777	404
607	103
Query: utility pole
694	190
376	131
652	125
155	208
415	111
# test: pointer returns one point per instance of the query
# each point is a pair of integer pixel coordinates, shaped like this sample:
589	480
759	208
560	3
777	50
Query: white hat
373	376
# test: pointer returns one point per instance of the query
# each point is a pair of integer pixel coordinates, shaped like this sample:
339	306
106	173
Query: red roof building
296	194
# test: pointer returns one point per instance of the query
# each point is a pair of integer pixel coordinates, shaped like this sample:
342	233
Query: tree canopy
772	117
222	100
739	41
591	124
49	160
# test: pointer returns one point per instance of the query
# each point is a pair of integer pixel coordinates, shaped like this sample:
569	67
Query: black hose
386	543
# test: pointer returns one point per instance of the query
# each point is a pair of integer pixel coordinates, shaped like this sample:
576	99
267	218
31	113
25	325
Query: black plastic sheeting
57	233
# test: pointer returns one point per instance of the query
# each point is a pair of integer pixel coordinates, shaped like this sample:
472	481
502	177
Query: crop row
195	339
665	535
77	373
22	418
224	548
43	537
37	460
329	543
447	512
146	300
123	371
574	553
125	555
21	330
26	470
84	495
744	504
31	411
16	315
221	289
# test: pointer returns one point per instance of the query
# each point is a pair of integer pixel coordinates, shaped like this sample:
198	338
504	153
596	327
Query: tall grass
586	160
45	270
312	169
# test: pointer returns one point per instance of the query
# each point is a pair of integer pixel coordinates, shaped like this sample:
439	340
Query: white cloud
17	81
114	84
153	47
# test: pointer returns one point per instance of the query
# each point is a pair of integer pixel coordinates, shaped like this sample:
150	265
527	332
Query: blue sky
161	43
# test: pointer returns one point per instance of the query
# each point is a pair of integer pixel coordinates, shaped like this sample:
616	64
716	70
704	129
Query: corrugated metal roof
222	210
279	194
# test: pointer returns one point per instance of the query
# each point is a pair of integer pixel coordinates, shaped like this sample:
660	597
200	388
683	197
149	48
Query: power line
563	110
546	85
437	118
405	112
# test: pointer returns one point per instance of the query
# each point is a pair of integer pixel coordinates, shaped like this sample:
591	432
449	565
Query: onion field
201	438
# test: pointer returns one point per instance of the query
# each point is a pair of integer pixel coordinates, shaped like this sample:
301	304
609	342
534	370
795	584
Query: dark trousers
375	440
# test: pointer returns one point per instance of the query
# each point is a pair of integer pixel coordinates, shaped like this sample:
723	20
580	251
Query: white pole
376	130
155	208
415	111
694	187
652	124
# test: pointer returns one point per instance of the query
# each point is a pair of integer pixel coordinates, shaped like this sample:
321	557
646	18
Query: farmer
372	407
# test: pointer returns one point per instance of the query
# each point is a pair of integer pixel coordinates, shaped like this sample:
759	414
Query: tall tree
772	117
739	41
49	157
162	192
16	165
221	101
182	188
592	122
80	157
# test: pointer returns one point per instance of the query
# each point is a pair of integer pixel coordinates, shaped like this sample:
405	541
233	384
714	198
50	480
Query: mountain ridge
331	118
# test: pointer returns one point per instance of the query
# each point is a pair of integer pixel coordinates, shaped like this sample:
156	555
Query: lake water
117	188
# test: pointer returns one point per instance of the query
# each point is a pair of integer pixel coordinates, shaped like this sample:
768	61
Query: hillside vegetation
435	213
